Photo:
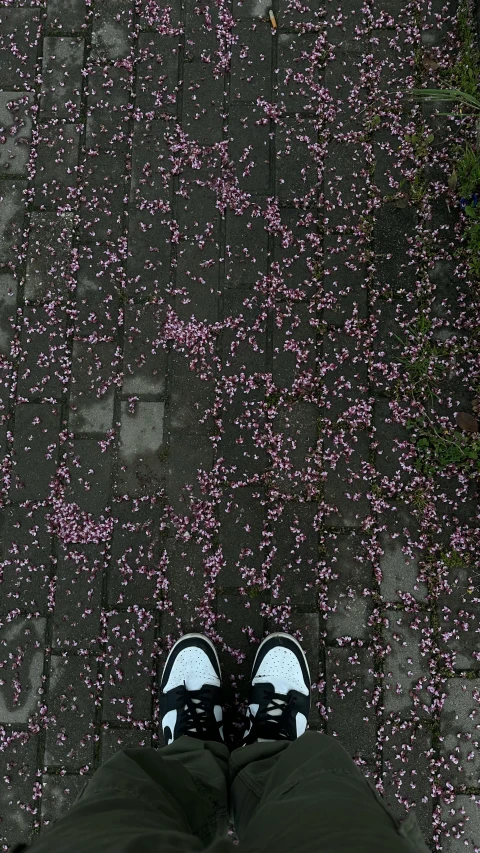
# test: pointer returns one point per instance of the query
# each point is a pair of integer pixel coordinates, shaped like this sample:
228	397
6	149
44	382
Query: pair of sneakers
191	693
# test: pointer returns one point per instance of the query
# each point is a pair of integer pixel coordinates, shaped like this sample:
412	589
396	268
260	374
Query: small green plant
426	366
438	447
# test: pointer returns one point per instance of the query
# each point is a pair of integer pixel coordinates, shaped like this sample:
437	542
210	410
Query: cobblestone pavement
211	303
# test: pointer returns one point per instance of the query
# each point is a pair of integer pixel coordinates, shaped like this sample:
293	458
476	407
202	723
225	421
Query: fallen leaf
453	180
476	405
466	422
403	201
430	64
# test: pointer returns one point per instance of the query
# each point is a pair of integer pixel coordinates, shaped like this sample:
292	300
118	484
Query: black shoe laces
276	725
196	717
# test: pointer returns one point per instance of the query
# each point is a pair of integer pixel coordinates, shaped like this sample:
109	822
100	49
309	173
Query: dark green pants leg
310	796
306	796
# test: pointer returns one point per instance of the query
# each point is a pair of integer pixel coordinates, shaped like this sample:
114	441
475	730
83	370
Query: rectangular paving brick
157	73
202	104
247	247
58	795
239	351
294	347
459	730
128	668
112	23
22	649
43	351
90	471
25	549
90	413
145	363
12	207
48	255
37	426
189	399
390	459
298	428
21	31
56	165
407	771
70	739
405	665
297	555
292	83
135	575
393	270
241	625
352	506
108	92
114	740
100	276
249	146
349	688
344	283
399	563
151	178
61	76
74	11
8	305
186	456
149	252
351	573
387	175
78	597
242	518
251	66
16	121
103	191
141	454
293	14
295	169
18	762
237	444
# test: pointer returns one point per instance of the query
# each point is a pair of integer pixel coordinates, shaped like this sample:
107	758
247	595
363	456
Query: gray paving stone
129	668
25	549
247	247
251	65
295	169
292	83
22	643
455	613
58	795
101	202
344	284
186	582
350	686
240	622
246	9
406	773
186	456
36	429
407	671
18	762
157	74
436	22
294	255
240	352
113	740
291	13
459	721
151	178
112	22
297	426
42	353
151	15
48	256
461	822
100	274
70	739
149	253
108	91
249	146
145	363
190	398
391	319
137	548
12	207
16	132
297	555
90	470
237	445
399	568
387	175
294	348
59	12
56	165
394	269
391	458
350	610
61	77
21	31
8	306
202	104
198	268
345	191
78	596
141	464
90	369
242	518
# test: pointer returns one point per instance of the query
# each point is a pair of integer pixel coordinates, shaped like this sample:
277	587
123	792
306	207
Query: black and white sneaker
190	691
279	700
